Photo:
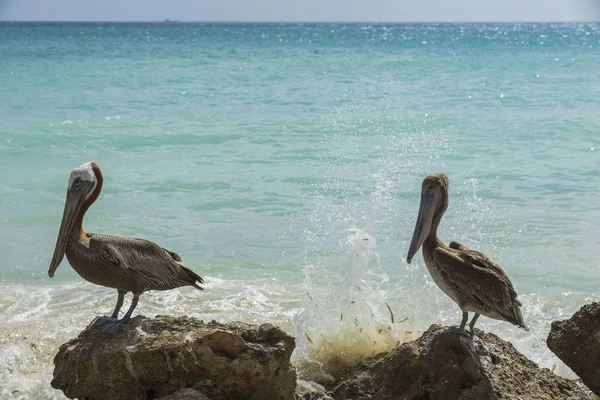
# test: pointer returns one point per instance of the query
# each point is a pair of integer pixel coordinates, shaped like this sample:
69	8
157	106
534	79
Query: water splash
341	324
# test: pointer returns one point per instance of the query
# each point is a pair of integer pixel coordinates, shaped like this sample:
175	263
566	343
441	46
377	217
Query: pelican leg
98	322
120	299
112	325
461	329
472	323
464	320
134	301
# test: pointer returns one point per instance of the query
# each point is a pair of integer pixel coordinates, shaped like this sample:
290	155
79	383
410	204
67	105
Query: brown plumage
128	264
468	277
123	263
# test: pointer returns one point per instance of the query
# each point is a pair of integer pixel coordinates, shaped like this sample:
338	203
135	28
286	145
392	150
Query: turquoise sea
265	153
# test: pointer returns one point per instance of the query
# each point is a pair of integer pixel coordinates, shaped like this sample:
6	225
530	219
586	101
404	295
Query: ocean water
284	163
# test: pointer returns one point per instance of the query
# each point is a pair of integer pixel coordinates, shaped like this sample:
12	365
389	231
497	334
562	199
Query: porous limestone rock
155	357
445	365
576	341
185	394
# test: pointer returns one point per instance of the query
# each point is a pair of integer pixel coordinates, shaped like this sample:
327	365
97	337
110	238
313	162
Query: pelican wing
480	279
155	267
481	260
457	246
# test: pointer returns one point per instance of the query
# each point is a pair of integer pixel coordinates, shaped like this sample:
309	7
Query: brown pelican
468	277
123	263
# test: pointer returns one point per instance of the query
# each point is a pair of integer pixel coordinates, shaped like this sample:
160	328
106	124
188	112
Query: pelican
122	263
468	277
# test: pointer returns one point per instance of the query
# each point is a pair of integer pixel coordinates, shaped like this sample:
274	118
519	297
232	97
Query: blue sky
301	10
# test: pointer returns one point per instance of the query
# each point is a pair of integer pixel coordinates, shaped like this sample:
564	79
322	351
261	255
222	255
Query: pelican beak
423	224
75	198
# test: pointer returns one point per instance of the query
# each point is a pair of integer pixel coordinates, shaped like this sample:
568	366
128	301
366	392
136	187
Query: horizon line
175	21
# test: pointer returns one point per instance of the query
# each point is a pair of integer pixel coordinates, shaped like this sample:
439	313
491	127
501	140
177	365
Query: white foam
342	309
35	321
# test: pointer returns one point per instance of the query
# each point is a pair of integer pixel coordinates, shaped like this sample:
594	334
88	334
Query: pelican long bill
76	196
423	224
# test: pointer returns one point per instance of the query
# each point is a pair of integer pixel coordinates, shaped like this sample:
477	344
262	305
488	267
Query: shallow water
260	152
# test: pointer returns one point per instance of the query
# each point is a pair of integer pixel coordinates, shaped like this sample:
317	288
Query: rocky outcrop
306	390
185	394
445	365
154	358
576	341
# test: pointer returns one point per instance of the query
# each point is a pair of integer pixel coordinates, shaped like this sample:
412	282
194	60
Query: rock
306	390
153	358
185	394
445	365
314	396
576	341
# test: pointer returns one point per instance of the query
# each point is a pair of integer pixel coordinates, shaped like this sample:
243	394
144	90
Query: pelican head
434	202
82	184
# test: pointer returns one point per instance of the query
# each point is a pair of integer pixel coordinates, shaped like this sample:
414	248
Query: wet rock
576	341
307	390
314	396
185	394
153	358
445	365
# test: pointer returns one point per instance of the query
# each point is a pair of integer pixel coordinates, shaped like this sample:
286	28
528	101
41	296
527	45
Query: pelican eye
77	181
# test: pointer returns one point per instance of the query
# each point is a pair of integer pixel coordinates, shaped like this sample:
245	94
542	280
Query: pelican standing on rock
468	277
123	263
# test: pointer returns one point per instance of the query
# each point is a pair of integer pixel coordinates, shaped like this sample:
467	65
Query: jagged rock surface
576	341
185	394
445	365
153	358
307	390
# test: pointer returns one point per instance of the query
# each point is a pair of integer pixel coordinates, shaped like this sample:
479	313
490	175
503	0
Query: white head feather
85	172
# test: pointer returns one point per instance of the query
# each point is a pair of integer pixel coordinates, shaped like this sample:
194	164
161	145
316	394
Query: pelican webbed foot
111	324
459	331
108	324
